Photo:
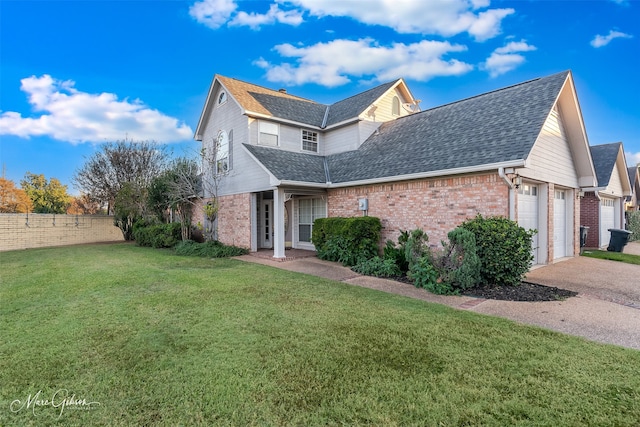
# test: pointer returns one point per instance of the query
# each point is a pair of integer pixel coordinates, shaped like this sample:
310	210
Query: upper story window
222	98
395	106
268	133
223	150
309	140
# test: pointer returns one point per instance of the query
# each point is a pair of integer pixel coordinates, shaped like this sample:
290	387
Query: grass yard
613	256
157	339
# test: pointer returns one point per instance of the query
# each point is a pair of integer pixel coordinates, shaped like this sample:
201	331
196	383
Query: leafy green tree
47	196
183	190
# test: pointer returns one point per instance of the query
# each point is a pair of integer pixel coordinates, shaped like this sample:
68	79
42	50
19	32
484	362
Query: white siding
551	159
340	140
245	174
383	112
615	183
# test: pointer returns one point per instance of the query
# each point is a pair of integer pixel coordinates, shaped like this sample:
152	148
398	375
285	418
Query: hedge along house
519	152
603	205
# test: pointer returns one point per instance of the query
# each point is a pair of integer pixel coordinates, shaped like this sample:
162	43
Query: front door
528	213
267	224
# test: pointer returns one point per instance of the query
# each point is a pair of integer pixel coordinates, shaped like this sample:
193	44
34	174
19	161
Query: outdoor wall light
517	181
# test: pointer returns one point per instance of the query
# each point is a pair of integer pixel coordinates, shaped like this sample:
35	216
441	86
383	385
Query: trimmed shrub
378	267
210	249
396	253
633	225
346	240
157	235
458	263
504	249
424	275
416	246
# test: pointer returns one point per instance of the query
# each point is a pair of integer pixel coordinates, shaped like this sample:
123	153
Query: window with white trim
309	140
223	144
222	98
395	106
268	133
608	202
308	211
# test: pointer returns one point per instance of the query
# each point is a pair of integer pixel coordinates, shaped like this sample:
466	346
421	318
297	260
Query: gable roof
355	105
259	101
633	173
604	158
496	129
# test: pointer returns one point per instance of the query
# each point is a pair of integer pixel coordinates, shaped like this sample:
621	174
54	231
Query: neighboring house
519	152
633	201
602	206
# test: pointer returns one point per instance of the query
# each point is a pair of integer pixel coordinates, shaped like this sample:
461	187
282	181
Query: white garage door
559	224
528	213
607	219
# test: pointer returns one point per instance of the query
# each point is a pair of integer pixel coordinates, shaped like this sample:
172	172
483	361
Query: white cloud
506	58
632	158
74	116
216	13
275	14
442	17
330	64
599	41
213	13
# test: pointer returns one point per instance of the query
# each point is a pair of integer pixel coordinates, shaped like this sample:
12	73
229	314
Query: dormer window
395	106
309	140
222	98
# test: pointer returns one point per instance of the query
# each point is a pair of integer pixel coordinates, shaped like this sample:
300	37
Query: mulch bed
526	291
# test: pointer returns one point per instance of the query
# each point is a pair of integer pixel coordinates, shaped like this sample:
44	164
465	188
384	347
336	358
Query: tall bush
346	240
633	224
504	249
458	263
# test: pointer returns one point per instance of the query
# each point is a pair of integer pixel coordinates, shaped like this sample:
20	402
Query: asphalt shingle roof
495	127
291	166
604	158
353	106
283	105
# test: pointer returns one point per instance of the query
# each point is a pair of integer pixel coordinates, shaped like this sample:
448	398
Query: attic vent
282	90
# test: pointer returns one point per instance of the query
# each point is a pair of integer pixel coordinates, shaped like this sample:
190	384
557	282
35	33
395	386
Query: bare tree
116	163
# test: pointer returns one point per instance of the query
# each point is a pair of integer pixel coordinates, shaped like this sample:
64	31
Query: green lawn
613	256
157	339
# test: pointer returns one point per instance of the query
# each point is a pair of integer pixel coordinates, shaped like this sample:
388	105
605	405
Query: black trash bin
619	238
584	231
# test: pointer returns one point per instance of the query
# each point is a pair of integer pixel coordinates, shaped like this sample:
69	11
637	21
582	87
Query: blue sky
75	74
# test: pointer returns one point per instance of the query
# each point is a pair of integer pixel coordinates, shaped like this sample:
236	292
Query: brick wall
234	220
23	231
590	216
435	205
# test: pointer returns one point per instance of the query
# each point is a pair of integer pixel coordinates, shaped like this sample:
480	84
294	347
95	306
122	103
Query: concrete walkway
606	309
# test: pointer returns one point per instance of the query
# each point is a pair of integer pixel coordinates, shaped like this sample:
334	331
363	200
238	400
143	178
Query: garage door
528	213
559	224
607	219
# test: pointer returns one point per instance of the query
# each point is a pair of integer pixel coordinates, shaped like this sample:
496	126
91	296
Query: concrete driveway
606	309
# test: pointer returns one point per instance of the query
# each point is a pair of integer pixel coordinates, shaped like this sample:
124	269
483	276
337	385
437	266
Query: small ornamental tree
504	249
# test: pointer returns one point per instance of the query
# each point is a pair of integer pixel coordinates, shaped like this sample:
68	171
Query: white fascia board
280	120
433	174
198	133
304	184
343	123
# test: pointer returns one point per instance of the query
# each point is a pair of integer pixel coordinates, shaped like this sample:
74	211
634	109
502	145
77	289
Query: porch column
278	223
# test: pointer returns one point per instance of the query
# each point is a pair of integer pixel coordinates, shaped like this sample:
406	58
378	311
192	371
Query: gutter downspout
512	196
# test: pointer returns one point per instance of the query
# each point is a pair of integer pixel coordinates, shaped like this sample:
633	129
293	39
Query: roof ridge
493	91
269	89
368	90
